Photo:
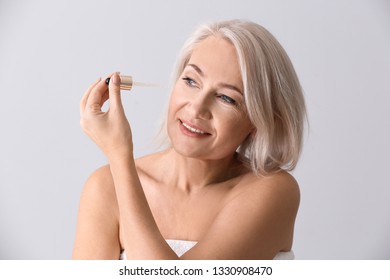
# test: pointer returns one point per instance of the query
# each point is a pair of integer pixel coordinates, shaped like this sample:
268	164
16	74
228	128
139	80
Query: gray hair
273	96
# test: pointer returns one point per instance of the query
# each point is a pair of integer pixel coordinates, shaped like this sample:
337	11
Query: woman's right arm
97	234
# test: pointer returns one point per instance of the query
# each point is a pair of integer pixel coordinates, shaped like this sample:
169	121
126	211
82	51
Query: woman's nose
200	106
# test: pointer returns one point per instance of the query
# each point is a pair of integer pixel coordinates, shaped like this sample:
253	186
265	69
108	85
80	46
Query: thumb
115	93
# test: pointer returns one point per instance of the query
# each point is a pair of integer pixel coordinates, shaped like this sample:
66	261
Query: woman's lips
192	129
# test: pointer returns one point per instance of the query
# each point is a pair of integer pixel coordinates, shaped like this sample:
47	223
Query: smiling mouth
193	129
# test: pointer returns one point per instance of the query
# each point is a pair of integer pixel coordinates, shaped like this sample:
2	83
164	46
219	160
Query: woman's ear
253	132
251	135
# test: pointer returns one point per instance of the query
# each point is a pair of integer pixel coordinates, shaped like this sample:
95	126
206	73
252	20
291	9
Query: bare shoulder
278	193
149	164
282	185
147	160
100	188
98	219
256	221
102	175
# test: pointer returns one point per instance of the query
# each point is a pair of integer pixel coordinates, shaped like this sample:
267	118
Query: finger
83	101
96	97
105	96
115	93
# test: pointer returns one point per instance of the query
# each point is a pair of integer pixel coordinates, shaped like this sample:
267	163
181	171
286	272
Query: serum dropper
127	83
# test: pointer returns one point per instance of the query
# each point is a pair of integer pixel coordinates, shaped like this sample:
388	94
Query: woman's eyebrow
197	69
232	87
225	85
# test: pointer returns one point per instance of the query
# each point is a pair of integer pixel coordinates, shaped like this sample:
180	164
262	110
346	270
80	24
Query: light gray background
50	51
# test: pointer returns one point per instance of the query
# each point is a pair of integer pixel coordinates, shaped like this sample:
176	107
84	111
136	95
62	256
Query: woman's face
207	118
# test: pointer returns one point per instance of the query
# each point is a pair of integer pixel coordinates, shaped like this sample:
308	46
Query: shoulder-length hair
273	96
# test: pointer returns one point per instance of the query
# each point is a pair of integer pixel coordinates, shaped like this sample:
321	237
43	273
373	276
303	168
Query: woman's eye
190	82
227	99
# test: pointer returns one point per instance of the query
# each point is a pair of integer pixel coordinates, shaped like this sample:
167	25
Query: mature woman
222	189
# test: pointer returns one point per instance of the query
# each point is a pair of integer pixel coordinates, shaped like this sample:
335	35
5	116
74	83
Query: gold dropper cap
126	82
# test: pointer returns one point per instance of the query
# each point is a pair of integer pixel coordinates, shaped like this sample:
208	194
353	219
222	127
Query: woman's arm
141	236
111	132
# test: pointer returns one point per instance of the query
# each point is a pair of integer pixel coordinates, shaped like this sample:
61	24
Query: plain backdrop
51	51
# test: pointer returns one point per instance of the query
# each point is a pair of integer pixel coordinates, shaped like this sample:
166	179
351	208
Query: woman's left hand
110	130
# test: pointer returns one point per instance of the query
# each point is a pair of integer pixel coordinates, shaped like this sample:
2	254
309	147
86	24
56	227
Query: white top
182	246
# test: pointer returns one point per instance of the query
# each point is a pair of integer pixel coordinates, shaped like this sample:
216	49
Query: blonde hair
273	96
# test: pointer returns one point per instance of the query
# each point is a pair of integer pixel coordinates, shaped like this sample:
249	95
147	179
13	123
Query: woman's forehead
216	58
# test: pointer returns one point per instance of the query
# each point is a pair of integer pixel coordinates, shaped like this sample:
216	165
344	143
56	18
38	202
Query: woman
221	190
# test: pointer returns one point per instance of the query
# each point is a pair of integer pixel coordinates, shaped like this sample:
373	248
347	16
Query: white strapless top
182	246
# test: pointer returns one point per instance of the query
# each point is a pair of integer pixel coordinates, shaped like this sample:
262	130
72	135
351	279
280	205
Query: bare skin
197	190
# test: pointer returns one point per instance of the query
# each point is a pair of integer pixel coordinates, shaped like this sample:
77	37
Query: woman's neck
190	174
